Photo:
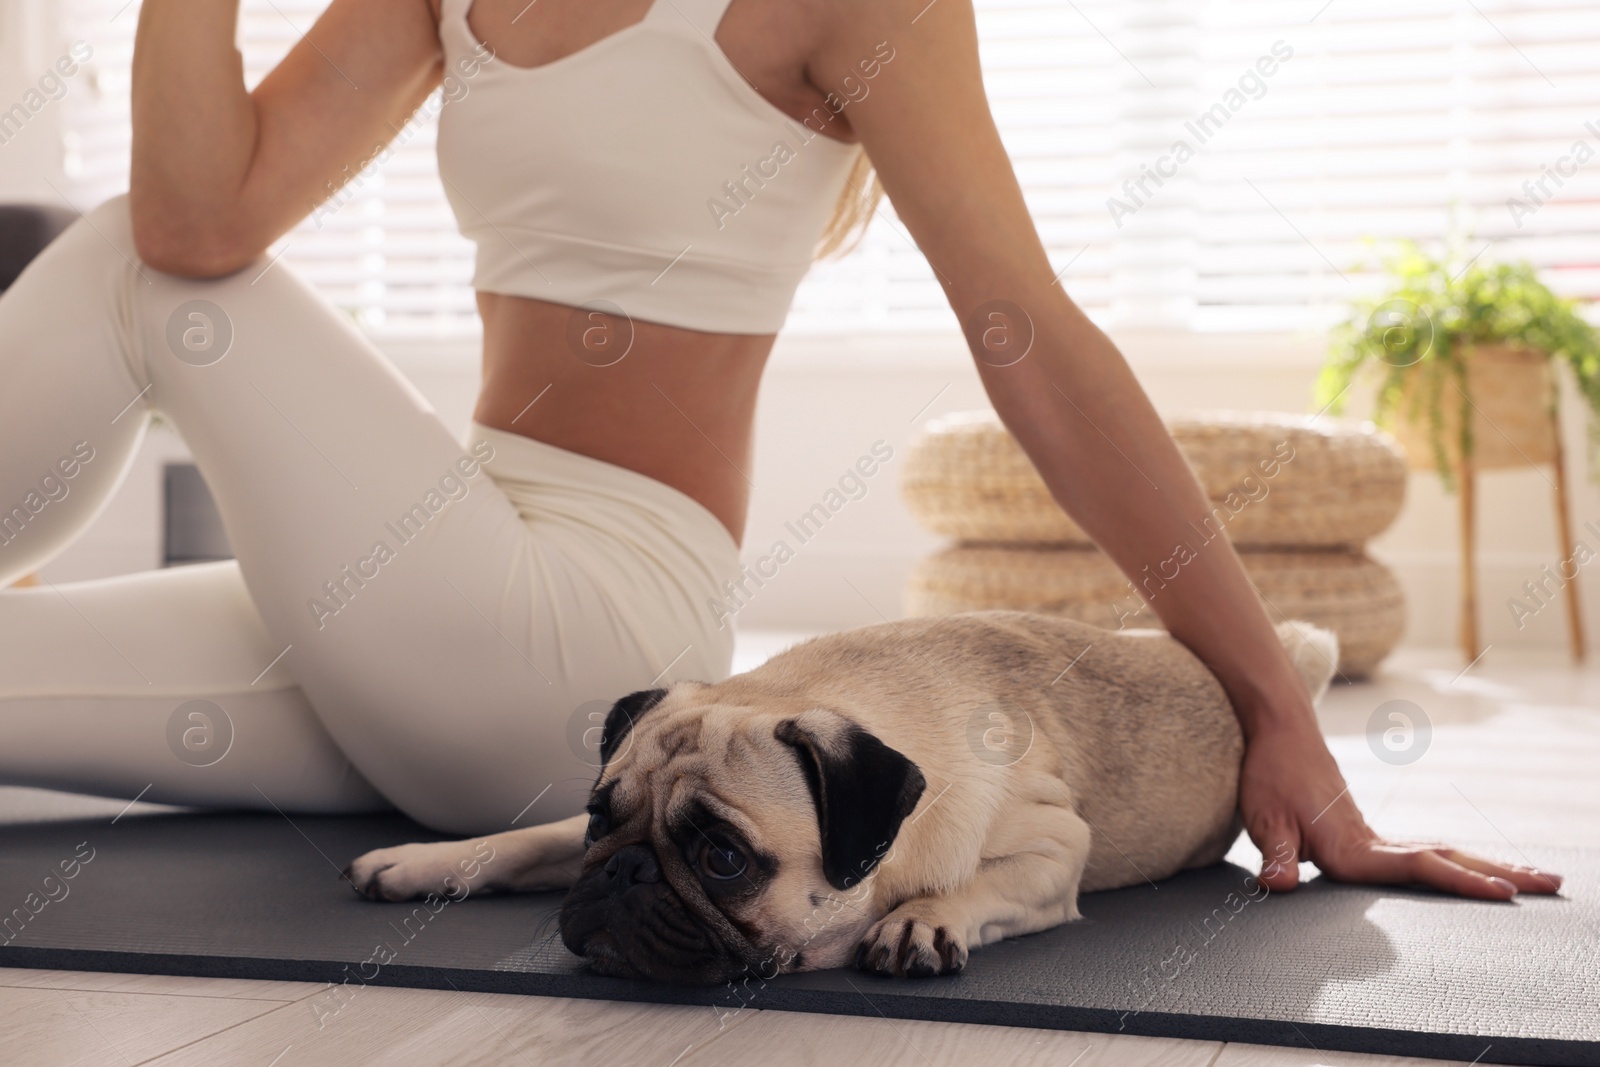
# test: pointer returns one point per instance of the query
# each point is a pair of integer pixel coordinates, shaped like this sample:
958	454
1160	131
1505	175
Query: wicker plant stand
1512	402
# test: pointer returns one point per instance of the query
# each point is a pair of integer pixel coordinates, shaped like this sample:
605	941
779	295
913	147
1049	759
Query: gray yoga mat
1331	967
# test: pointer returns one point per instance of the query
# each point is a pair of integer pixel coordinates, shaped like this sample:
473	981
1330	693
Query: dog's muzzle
626	919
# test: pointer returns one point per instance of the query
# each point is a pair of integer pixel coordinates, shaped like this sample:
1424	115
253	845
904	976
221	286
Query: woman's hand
1296	807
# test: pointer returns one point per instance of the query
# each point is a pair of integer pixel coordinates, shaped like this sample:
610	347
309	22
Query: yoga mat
1204	955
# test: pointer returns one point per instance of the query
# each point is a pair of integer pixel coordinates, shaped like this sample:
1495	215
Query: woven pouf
1350	594
1275	480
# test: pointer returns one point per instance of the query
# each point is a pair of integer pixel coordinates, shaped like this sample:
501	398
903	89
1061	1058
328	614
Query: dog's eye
721	863
599	826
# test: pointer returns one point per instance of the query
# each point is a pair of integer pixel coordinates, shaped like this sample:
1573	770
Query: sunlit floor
1507	761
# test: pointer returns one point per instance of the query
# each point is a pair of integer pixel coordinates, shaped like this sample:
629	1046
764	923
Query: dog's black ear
620	719
863	790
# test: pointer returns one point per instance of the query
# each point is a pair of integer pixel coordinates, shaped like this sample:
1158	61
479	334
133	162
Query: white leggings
410	620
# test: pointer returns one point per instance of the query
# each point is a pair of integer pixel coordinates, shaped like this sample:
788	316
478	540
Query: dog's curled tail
1315	652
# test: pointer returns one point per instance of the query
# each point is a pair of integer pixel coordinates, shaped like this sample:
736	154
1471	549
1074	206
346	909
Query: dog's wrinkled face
724	839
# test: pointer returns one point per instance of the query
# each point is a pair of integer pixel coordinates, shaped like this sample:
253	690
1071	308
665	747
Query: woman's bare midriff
679	406
676	405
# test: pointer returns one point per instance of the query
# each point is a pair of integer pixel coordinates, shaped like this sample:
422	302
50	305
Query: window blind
384	248
1201	166
1420	119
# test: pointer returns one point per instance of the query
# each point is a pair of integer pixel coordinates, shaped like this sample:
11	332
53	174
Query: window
1306	126
384	248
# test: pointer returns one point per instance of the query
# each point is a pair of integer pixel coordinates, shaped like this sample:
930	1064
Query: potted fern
1465	361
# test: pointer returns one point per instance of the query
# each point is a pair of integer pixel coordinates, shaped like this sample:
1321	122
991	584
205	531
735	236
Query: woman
422	622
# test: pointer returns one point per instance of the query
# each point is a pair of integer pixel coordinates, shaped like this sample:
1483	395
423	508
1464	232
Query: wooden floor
1512	758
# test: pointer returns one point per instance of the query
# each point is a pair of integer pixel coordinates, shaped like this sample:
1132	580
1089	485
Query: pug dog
893	796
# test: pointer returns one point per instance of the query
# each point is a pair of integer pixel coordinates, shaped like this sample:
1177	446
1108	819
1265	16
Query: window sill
800	353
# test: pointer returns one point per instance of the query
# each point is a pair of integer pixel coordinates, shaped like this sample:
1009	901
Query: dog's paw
405	872
913	941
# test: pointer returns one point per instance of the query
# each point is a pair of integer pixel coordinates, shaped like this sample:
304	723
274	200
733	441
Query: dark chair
24	231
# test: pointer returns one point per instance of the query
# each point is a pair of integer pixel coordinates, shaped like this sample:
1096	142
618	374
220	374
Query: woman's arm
1077	410
219	173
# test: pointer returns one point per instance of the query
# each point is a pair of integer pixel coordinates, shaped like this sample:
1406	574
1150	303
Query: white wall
820	410
30	160
824	404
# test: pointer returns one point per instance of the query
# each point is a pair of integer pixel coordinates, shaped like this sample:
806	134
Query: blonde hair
858	200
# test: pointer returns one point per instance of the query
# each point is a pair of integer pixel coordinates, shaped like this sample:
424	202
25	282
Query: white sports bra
641	170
